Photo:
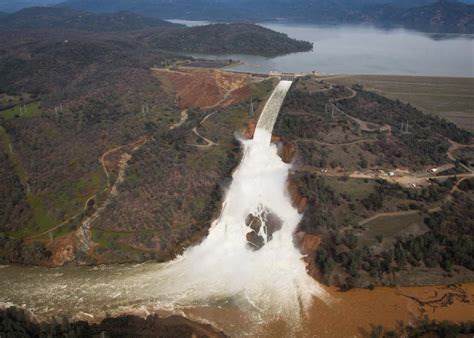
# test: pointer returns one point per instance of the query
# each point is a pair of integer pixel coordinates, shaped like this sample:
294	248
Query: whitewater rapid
272	279
223	271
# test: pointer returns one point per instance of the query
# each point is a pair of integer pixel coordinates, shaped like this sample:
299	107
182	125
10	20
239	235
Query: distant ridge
445	16
10	6
66	18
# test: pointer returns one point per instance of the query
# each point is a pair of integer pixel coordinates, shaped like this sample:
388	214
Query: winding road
195	131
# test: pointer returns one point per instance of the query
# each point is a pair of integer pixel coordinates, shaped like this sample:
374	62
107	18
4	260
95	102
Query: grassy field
21	111
357	189
388	228
51	208
451	98
42	219
310	86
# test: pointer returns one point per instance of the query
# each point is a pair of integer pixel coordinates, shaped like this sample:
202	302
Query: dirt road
119	180
335	144
195	131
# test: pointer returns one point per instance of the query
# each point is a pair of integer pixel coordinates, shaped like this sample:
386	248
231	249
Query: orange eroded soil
204	88
356	312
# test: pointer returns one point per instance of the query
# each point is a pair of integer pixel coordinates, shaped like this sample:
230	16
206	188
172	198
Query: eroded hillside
204	88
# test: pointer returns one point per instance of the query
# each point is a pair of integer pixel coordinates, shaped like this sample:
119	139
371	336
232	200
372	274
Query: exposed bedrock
262	227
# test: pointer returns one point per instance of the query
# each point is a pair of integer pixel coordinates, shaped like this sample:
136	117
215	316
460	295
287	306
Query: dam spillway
269	115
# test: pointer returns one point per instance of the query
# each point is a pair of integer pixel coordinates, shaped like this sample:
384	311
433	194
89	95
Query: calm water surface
365	50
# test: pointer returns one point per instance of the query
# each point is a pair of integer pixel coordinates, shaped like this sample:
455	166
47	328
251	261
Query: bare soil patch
204	88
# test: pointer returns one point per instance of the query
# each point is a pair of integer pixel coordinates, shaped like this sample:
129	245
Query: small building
391	173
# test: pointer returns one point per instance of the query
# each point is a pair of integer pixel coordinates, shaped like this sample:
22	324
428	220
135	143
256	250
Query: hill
229	38
13	6
217	38
440	17
65	18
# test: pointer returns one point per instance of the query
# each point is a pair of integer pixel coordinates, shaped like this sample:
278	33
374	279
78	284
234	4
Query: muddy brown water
356	312
91	293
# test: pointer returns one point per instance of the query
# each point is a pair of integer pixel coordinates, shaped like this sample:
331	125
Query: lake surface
364	50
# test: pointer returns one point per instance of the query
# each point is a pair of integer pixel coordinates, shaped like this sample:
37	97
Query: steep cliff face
299	201
308	244
287	151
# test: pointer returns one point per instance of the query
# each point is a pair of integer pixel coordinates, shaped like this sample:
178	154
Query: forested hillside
230	38
362	177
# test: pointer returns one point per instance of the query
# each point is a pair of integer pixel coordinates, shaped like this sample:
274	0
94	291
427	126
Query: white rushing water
264	284
273	279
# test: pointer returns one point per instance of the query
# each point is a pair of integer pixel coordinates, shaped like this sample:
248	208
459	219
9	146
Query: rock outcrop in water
270	222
